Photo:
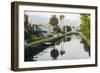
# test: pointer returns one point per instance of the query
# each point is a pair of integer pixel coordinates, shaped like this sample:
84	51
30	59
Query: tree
61	17
53	21
85	25
26	21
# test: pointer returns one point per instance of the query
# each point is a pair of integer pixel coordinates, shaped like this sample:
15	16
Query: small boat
48	43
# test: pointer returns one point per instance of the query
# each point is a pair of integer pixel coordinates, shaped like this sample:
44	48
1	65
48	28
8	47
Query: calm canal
67	48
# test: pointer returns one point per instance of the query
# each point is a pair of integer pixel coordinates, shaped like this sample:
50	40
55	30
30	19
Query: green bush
36	38
85	25
50	35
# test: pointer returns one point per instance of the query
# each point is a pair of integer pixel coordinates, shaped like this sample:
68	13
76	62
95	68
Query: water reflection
62	52
69	47
54	53
67	38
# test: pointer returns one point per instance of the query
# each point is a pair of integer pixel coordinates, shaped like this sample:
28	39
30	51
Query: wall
5	34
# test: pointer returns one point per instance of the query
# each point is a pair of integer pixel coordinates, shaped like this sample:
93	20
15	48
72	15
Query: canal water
69	47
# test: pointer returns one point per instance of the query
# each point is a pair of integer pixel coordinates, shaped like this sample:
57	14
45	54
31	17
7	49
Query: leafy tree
53	21
28	33
26	21
85	25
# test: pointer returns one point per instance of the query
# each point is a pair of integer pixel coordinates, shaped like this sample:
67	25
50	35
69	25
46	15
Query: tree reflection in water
54	53
86	47
59	50
67	38
62	51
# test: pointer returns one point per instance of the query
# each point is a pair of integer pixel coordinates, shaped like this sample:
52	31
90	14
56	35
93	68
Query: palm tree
61	17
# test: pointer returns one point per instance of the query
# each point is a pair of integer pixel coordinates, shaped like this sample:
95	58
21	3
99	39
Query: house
67	28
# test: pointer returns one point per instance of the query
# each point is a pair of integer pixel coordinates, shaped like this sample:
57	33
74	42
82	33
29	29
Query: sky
44	17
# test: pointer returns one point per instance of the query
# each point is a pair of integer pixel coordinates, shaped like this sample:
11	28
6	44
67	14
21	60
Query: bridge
36	43
73	32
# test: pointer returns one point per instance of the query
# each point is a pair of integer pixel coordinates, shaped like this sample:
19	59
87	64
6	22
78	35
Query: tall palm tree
61	17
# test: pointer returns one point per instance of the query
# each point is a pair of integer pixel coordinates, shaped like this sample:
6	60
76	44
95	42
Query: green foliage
35	38
30	36
53	21
50	35
85	25
28	33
